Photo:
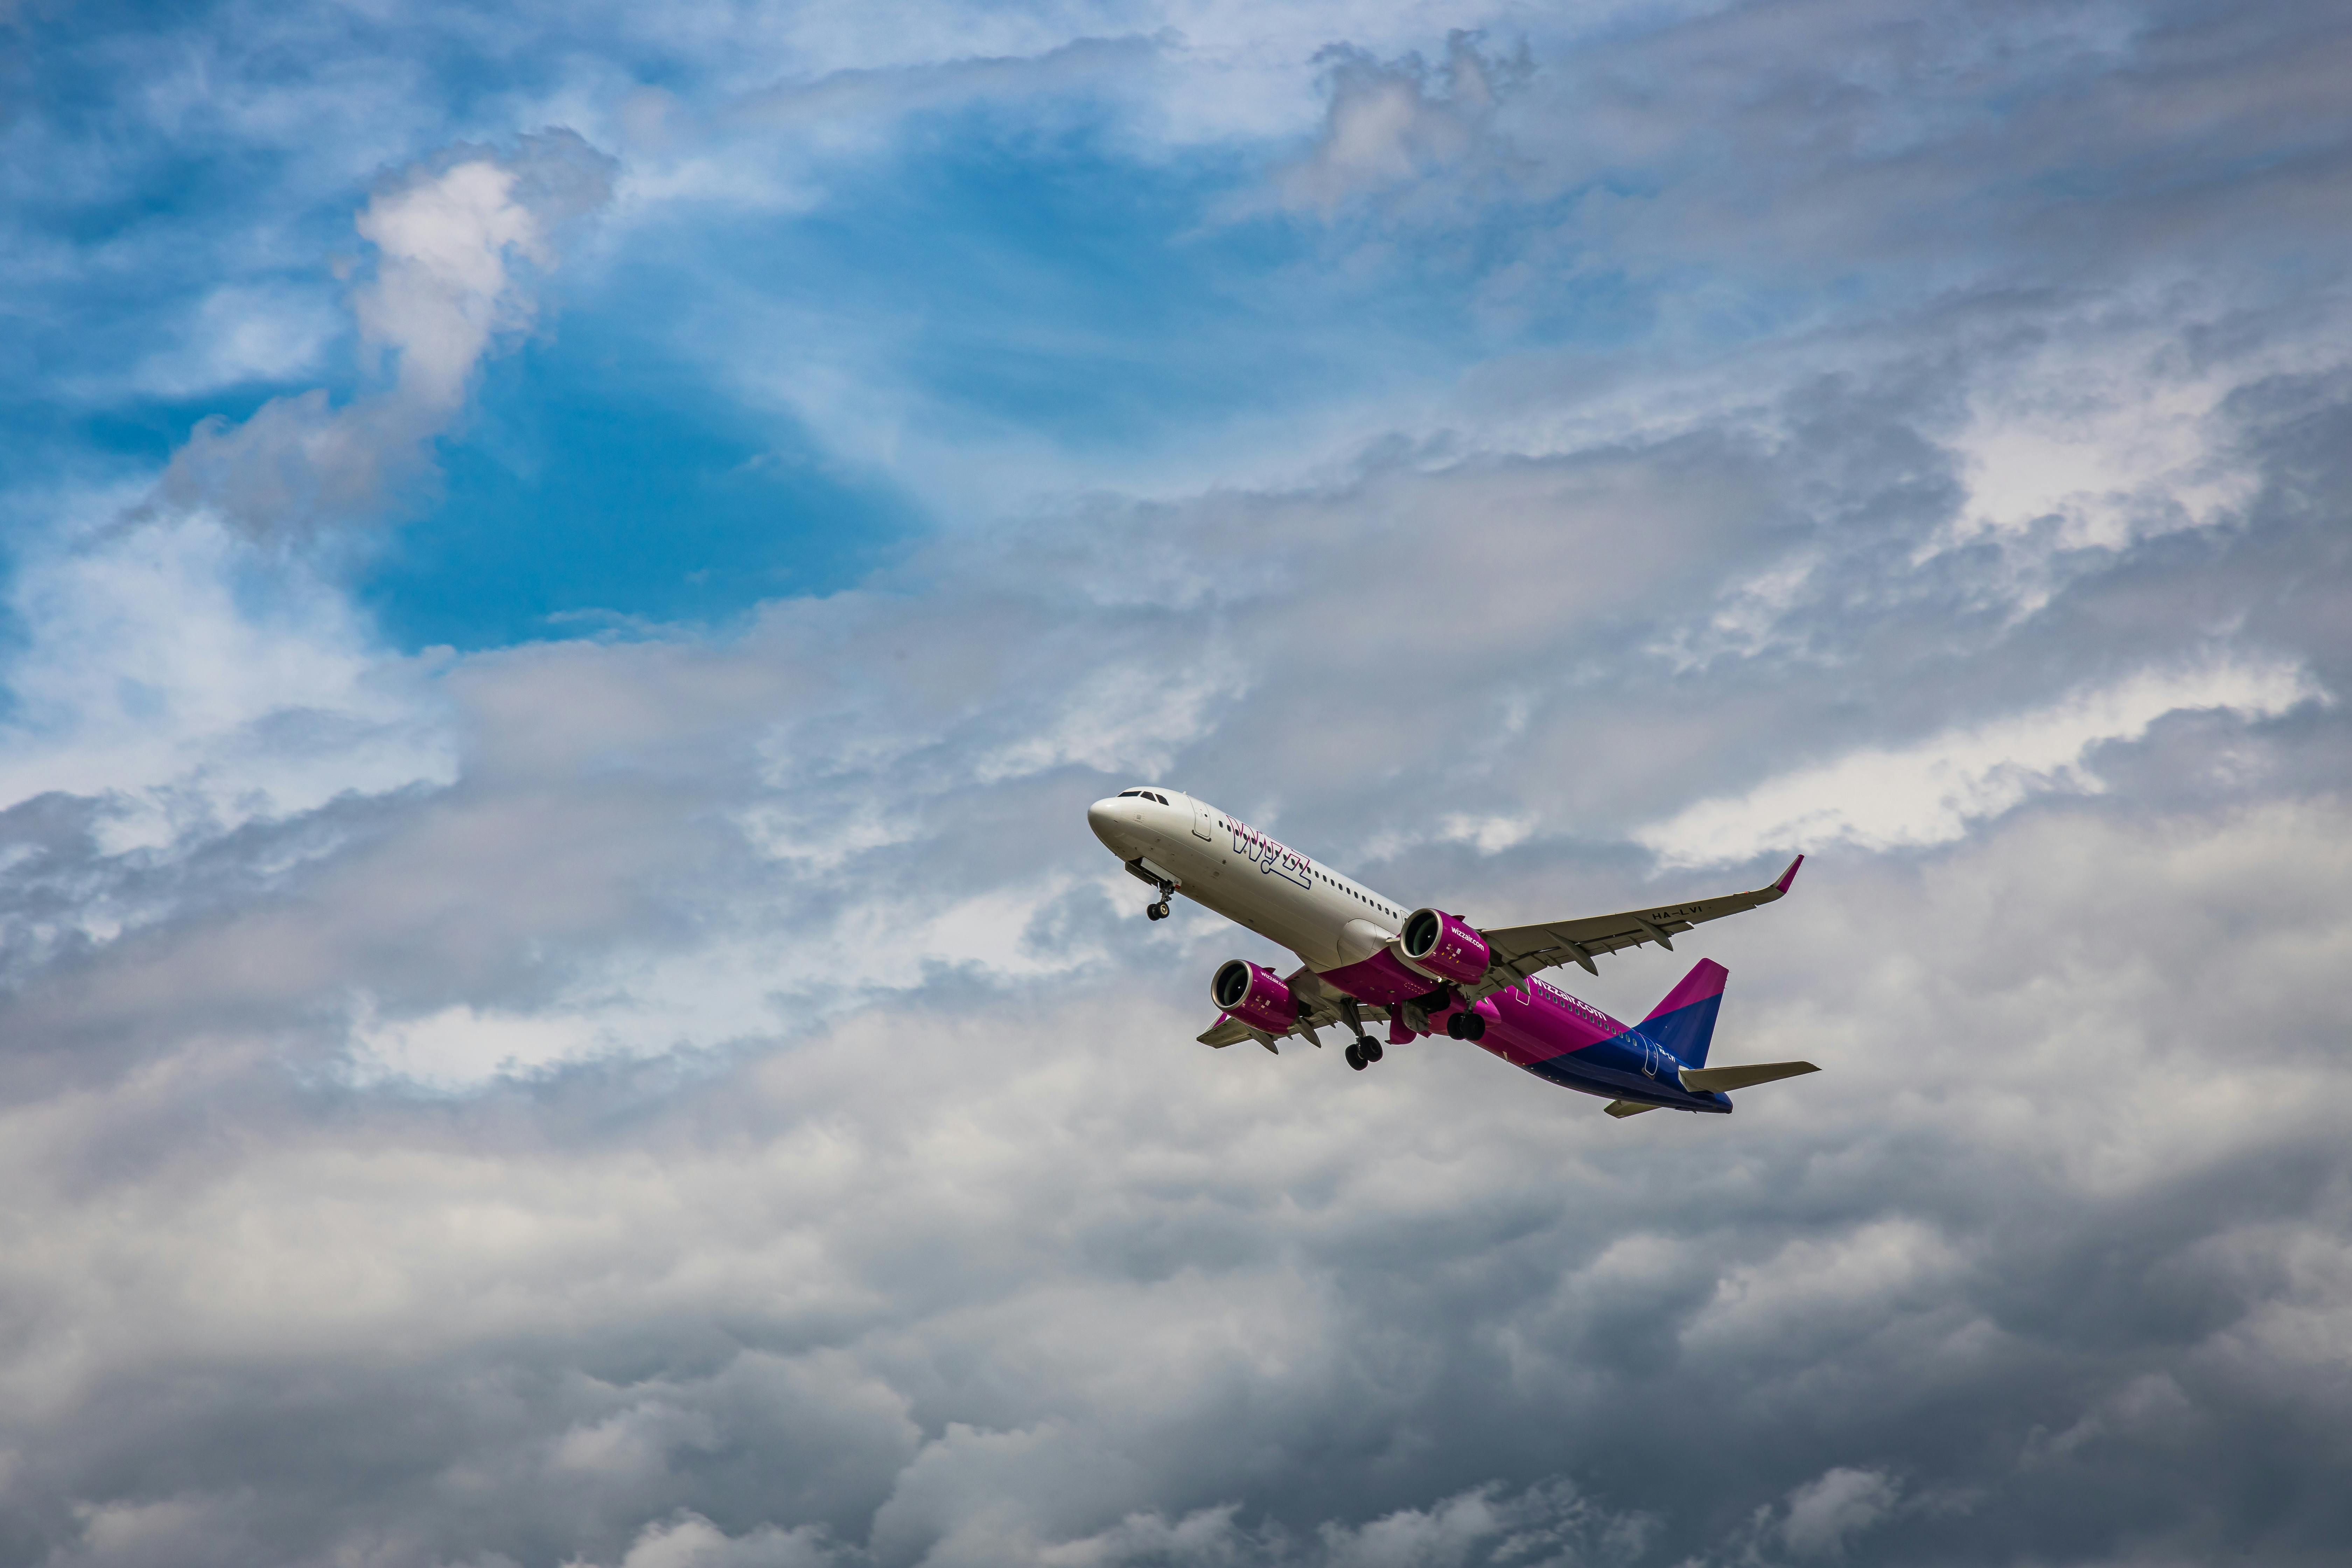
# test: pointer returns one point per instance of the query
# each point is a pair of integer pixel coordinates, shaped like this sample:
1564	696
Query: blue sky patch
596	478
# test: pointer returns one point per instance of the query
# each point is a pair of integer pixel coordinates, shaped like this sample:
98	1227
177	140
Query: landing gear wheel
1454	1026
1355	1059
1158	911
1371	1049
1474	1027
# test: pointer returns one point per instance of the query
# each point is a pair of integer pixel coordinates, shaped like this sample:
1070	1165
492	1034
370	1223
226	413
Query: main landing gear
1366	1051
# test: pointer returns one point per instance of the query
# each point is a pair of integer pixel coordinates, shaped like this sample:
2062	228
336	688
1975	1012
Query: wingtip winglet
1789	875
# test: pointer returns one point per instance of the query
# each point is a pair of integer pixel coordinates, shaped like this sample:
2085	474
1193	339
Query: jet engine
1255	996
1443	946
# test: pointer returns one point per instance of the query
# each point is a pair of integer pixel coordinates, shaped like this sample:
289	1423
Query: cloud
243	334
1549	1523
778	1226
835	103
701	1096
1402	123
692	1541
457	240
1931	792
1824	1514
448	244
928	1318
1127	720
190	688
165	684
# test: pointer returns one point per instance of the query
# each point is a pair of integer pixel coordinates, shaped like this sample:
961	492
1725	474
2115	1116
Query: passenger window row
1360	898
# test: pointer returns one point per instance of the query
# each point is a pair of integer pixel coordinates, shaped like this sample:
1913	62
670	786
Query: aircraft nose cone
1106	818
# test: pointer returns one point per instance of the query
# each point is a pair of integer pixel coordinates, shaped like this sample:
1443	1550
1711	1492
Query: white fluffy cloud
1932	790
456	244
450	245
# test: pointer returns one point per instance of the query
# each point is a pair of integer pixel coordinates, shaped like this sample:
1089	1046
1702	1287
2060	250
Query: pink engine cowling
1255	996
1444	947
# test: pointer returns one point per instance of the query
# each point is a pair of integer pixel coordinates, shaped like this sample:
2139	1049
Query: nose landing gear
1143	870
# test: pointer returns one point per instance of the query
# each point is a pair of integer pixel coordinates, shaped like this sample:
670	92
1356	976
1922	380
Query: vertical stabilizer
1684	1022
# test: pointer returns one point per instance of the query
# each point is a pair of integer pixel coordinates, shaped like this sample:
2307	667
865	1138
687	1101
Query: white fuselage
1329	920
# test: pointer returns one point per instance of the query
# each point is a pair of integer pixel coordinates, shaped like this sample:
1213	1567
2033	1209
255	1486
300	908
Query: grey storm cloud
1403	125
2007	144
853	1193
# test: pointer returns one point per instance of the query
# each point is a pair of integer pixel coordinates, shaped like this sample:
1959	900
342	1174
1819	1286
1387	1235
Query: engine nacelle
1443	946
1255	996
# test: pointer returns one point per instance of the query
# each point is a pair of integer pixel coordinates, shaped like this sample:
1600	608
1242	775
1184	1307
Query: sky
567	573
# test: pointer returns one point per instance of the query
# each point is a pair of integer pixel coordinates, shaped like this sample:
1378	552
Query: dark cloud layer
853	1191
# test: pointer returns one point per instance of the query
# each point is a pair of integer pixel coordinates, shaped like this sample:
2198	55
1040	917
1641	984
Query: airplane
1364	956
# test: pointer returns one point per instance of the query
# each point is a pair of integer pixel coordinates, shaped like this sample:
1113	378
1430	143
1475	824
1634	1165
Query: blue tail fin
1684	1022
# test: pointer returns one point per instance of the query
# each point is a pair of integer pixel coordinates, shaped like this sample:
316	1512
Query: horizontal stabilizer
1624	1108
1224	1032
1706	1080
1228	1031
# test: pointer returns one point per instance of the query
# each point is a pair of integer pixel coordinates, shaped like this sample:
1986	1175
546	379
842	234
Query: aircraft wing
1517	951
1323	1015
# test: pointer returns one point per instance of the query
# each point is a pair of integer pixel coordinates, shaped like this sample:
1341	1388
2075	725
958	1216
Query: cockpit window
1160	798
1124	793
